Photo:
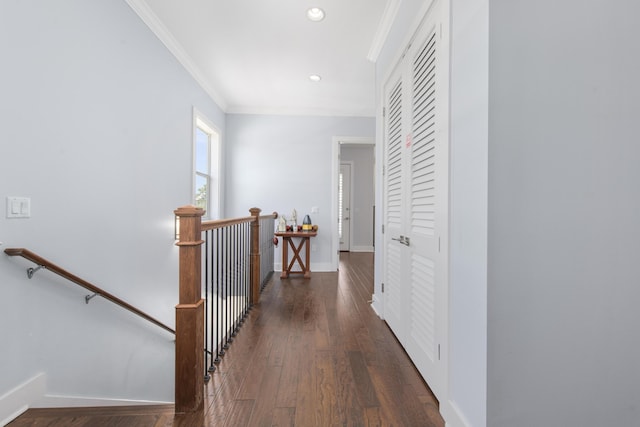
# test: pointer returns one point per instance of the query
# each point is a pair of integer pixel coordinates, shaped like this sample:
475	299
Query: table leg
285	258
307	266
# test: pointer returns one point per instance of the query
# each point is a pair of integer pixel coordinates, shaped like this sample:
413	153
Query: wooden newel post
189	372
255	256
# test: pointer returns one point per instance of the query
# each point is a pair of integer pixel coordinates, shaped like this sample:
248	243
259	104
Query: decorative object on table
306	223
294	220
282	224
314	228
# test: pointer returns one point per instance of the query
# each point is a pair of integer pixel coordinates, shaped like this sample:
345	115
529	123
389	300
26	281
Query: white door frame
335	172
349	233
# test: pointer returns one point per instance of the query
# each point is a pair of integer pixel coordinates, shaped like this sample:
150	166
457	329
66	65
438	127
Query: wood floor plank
288	387
346	392
364	386
306	396
284	417
329	413
240	414
265	402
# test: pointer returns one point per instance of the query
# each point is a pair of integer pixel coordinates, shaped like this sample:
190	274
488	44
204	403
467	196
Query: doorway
352	150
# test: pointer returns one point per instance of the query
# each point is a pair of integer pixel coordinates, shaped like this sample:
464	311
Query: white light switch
314	210
18	207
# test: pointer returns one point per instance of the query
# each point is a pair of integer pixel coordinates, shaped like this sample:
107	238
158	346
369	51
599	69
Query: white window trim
214	198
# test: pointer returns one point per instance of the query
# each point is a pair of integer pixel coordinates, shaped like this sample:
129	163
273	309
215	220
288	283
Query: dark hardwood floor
312	353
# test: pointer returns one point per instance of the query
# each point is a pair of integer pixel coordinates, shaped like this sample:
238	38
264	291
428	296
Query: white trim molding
386	22
142	9
16	401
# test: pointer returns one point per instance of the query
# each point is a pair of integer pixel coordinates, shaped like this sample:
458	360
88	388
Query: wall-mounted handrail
48	265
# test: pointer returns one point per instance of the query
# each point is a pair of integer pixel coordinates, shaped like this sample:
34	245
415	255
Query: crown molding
384	26
314	112
142	9
302	111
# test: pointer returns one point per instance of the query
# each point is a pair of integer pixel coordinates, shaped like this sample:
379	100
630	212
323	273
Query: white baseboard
361	249
32	394
56	401
321	267
16	401
374	304
452	415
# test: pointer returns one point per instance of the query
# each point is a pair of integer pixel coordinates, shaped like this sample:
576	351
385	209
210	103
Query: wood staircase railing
189	385
189	332
48	265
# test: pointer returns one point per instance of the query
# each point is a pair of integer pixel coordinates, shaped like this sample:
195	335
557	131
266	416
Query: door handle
403	239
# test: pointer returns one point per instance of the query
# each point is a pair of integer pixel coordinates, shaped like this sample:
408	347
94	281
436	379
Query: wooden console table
287	240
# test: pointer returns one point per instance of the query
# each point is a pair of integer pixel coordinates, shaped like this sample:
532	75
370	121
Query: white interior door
394	173
344	206
416	200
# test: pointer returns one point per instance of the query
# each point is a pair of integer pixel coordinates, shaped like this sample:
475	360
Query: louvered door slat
394	157
423	161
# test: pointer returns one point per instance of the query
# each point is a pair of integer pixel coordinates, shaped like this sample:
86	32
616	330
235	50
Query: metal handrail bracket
31	271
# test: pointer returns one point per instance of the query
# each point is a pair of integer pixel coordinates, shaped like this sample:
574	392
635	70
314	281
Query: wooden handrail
220	223
42	262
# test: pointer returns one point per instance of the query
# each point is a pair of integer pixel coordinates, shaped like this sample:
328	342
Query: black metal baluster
207	349
243	273
226	286
218	317
247	269
235	279
210	296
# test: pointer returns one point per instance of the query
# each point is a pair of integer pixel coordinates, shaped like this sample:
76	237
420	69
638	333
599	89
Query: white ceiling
255	56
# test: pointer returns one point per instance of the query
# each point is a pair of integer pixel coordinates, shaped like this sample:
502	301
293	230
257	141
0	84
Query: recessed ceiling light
315	78
315	14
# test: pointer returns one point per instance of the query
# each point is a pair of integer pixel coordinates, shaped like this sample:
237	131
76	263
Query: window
206	166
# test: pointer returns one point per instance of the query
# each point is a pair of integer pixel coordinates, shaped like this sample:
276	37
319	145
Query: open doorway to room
354	195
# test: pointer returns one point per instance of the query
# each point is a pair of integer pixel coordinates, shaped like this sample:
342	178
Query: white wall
95	127
564	209
468	207
279	163
361	157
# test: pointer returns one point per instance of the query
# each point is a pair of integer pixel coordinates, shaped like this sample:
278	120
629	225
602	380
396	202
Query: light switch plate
18	207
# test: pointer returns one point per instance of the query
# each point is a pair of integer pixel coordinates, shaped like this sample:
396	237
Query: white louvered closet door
394	176
416	248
